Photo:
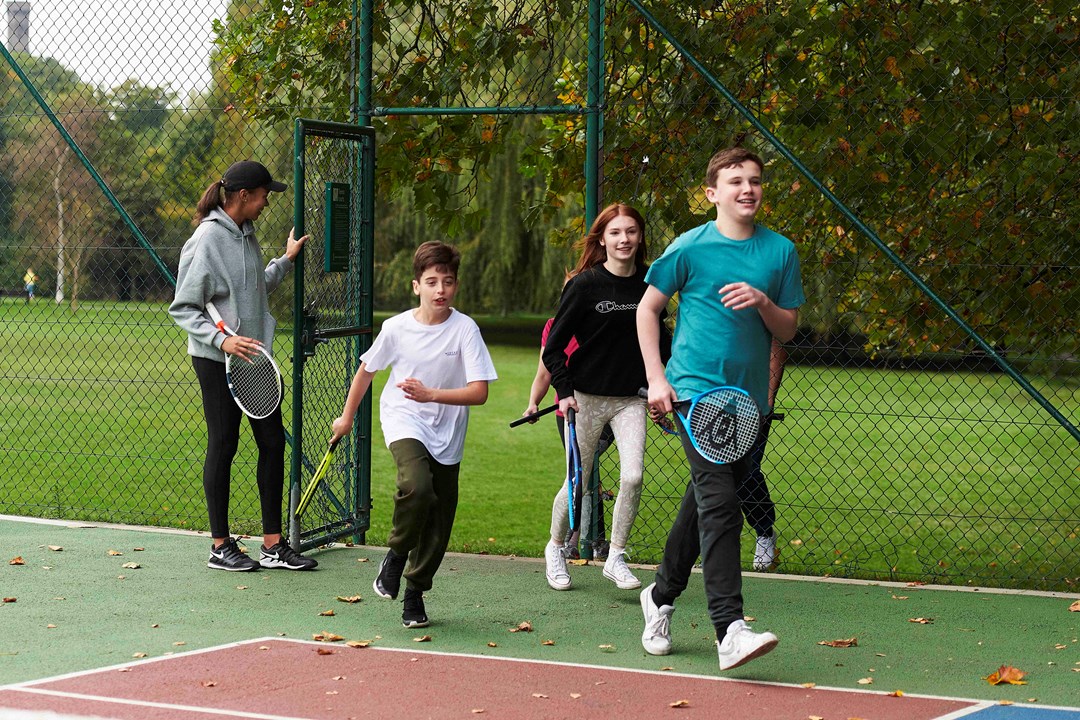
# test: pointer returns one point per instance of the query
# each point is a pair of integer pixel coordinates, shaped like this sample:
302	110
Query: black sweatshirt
600	310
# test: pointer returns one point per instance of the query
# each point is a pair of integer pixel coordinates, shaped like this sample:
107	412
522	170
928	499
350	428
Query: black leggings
223	437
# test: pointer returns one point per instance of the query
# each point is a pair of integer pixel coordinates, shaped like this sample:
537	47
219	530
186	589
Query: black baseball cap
248	174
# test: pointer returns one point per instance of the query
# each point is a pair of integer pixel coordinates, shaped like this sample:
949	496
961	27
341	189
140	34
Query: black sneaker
414	615
227	556
283	556
388	582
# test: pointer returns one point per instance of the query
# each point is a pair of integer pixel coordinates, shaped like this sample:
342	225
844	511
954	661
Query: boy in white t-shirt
439	366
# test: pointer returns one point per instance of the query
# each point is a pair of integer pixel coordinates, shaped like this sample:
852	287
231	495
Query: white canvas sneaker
765	553
557	576
656	639
616	571
741	645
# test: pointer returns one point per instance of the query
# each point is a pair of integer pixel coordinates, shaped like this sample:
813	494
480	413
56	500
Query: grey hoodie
221	262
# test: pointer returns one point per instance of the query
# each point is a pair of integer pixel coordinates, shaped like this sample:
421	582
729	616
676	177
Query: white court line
977	704
156	705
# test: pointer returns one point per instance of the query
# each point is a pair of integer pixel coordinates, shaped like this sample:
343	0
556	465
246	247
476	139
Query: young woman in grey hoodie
221	262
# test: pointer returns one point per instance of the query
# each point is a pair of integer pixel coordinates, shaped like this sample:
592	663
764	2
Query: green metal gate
334	186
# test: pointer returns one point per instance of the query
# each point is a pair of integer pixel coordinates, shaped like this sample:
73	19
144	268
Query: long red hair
593	253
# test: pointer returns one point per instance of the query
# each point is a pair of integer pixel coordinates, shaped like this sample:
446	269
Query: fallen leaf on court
56	548
547	642
358	643
155	625
338	677
324	651
124	670
331	692
264	647
17	560
916	583
921	621
815	717
114	553
1075	607
666	668
178	643
607	648
747	618
138	549
131	565
866	681
422	638
899	597
849	642
9	600
477	711
896	693
1005	702
525	626
326	613
1059	646
491	644
809	685
578	562
121	577
241	587
575	695
209	683
539	695
349	598
600	682
327	636
361	560
1006	674
679	704
139	655
50	626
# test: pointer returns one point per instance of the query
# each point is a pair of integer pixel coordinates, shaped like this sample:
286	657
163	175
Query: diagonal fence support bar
872	236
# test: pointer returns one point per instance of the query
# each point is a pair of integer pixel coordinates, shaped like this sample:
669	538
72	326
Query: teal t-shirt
714	345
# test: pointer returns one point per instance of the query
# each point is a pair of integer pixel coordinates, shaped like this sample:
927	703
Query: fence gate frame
345	496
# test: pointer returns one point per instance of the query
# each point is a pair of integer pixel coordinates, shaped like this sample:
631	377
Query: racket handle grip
334	444
533	416
570	413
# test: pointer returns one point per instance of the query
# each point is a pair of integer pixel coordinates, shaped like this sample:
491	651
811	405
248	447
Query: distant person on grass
598	308
739	286
30	280
439	367
222	263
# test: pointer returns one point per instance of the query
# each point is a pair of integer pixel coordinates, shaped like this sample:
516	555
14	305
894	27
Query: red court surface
282	678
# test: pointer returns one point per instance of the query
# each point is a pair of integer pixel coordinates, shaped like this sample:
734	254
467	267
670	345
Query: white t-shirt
449	355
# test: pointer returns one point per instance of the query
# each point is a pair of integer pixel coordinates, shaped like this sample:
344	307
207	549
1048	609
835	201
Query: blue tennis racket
721	423
573	468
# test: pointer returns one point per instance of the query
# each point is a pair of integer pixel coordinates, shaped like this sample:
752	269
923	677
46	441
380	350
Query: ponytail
210	200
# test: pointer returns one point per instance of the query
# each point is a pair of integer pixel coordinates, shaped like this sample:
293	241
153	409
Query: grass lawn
952	477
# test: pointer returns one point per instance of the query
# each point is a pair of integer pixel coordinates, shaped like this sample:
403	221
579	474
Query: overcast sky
160	42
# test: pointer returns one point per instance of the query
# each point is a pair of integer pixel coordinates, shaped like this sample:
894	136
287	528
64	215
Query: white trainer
656	639
557	576
616	571
741	645
765	553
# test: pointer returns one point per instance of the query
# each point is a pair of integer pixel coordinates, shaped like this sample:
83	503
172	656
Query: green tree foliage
949	128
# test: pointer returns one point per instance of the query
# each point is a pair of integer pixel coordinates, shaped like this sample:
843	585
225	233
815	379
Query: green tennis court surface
78	610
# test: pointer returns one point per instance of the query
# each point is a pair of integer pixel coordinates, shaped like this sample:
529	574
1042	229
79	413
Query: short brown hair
437	255
729	157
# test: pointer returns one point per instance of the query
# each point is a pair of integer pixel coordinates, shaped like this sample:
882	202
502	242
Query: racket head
316	479
722	423
256	385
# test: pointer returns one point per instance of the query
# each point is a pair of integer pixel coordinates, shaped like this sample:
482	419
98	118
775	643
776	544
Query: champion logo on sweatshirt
606	306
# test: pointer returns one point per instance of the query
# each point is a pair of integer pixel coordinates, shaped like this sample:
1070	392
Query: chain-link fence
922	157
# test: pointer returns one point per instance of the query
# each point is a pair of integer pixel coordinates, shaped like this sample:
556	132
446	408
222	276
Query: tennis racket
256	385
573	468
533	416
316	479
721	423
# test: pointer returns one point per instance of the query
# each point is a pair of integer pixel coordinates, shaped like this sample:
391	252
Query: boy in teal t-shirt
739	286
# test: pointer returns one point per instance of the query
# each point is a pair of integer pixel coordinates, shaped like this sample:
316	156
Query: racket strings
256	385
724	425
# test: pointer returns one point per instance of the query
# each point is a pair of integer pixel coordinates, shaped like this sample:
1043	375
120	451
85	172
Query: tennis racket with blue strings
721	423
573	468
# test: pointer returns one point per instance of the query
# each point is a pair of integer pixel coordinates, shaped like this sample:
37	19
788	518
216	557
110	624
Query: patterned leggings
627	417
